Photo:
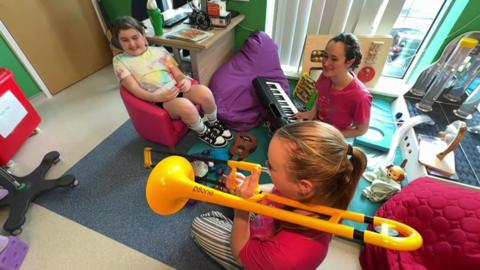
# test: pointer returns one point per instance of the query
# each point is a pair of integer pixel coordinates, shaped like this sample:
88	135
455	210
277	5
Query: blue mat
381	122
110	199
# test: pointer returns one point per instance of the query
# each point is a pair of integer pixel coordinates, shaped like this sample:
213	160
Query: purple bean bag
238	105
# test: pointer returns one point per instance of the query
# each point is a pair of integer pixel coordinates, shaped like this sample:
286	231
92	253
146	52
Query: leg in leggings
212	232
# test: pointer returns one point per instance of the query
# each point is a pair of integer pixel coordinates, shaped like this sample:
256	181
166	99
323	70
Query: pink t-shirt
287	249
343	108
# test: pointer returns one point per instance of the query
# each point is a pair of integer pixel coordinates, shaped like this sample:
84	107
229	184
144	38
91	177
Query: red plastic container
18	118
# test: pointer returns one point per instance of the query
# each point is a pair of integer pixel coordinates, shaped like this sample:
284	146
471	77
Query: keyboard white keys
286	105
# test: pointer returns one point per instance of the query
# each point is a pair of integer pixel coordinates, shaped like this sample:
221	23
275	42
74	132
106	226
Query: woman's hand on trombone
243	186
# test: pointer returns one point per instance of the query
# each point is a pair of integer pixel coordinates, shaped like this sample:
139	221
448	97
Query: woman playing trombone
309	162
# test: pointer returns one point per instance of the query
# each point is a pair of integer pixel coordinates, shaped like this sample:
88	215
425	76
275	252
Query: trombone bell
163	194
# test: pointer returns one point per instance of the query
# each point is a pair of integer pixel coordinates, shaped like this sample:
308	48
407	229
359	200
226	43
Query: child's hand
305	116
164	96
184	85
171	94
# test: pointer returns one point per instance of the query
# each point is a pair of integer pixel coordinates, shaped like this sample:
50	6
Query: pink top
287	249
343	108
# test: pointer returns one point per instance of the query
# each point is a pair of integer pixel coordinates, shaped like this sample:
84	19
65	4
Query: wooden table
207	55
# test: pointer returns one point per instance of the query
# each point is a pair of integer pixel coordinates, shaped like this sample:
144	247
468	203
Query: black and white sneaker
220	129
212	138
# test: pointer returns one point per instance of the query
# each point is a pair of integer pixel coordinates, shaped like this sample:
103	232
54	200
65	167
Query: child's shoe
212	138
220	129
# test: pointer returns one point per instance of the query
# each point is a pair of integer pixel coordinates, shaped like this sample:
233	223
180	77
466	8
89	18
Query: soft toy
396	173
385	182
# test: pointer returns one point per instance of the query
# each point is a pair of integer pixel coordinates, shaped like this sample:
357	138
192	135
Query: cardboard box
221	21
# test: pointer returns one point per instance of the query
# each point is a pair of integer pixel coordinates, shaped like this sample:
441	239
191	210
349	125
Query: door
63	40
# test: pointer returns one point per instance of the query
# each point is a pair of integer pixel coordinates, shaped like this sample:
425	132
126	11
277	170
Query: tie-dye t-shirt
151	69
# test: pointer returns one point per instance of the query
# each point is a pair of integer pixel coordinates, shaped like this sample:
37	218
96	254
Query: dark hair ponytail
352	48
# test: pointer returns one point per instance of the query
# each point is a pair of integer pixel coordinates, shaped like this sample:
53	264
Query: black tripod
23	190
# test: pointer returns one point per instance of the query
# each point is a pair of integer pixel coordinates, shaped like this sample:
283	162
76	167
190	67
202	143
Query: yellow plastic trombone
171	184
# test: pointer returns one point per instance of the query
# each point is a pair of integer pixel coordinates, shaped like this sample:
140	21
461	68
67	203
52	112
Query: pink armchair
152	122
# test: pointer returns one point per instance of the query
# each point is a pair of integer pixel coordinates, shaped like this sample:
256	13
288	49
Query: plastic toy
437	153
171	185
12	252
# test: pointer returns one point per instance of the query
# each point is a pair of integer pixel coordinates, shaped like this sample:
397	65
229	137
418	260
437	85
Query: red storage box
18	118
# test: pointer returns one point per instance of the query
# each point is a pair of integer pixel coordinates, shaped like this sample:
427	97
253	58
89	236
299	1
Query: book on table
189	34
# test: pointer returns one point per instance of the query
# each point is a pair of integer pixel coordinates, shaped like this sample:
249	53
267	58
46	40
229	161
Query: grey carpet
110	199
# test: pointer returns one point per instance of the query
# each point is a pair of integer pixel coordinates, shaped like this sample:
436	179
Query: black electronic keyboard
280	109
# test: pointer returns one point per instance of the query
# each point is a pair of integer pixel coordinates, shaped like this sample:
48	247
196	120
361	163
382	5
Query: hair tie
350	150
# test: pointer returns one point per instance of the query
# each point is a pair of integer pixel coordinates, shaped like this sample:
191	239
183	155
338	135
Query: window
409	32
408	21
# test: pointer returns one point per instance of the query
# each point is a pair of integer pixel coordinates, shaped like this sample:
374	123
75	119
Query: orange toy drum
18	118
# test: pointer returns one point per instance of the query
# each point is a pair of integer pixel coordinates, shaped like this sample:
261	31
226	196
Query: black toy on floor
23	190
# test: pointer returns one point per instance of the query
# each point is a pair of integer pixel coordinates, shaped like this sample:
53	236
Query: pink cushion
448	218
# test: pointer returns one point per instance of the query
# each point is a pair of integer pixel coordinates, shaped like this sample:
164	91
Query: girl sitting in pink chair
151	74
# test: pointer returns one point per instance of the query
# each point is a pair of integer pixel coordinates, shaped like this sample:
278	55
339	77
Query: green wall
116	8
255	12
10	61
462	17
469	20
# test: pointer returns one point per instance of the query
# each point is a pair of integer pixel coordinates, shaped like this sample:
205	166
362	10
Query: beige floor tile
56	242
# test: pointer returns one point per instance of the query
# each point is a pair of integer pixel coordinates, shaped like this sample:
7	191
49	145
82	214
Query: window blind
311	17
